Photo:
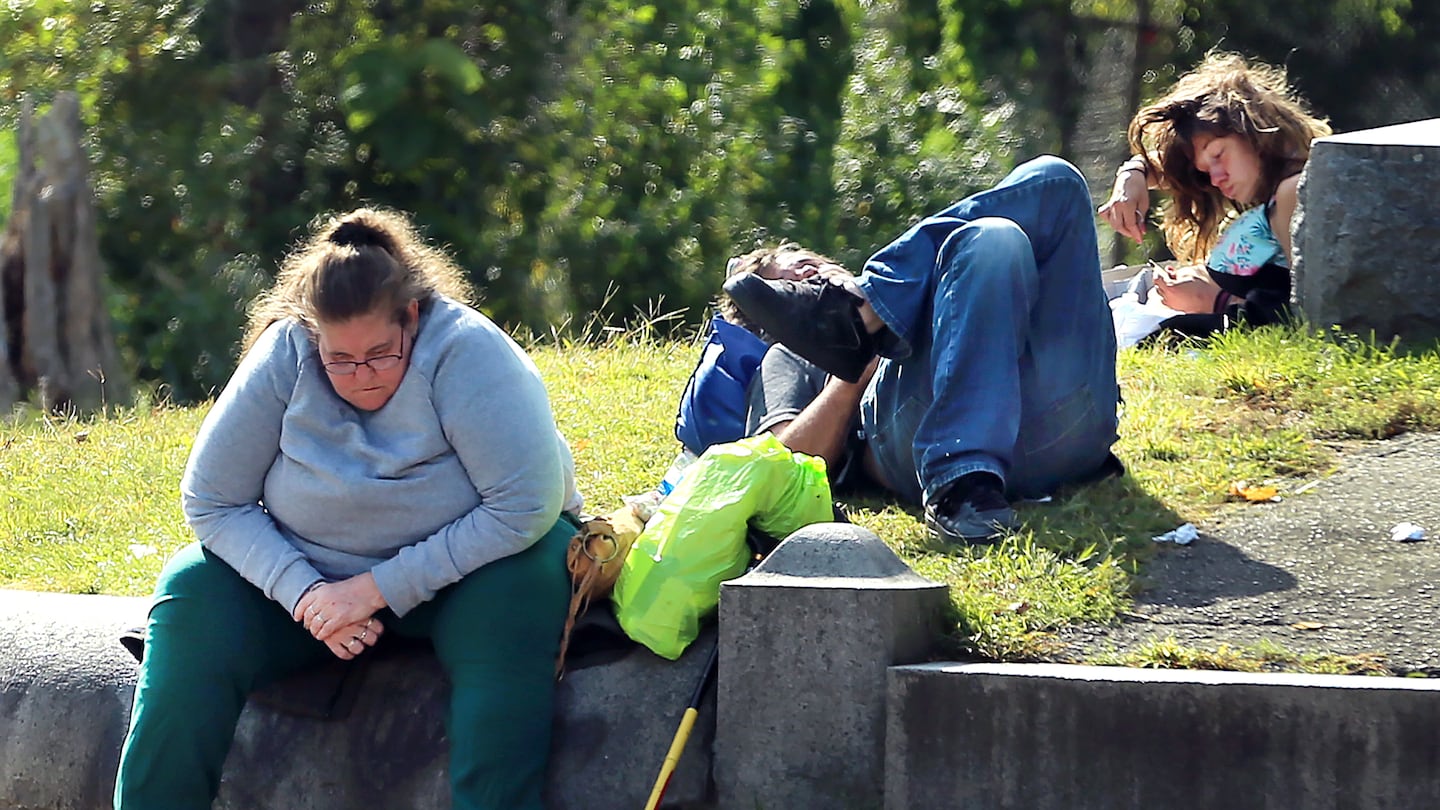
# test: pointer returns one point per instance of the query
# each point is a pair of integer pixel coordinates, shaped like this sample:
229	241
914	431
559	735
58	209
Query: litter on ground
1182	535
1407	533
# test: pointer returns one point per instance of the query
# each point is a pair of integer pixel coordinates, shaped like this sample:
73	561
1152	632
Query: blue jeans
1006	357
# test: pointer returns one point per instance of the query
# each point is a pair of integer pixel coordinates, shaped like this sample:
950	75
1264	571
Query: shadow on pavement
1205	572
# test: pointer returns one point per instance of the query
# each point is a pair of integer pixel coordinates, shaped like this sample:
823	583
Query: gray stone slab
1058	737
1367	232
805	640
1412	133
65	692
614	724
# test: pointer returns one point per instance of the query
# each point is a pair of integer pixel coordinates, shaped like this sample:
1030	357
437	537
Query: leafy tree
608	155
916	134
653	153
1363	63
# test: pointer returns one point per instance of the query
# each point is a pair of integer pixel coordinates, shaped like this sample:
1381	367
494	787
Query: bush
580	156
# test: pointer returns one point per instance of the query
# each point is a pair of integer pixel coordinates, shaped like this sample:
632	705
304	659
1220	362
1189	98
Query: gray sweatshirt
290	484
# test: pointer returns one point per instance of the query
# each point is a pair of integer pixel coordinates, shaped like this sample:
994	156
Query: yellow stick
672	758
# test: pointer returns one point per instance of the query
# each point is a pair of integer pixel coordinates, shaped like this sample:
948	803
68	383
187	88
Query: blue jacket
712	408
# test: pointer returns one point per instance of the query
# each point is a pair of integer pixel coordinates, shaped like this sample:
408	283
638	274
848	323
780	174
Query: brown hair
351	265
1224	95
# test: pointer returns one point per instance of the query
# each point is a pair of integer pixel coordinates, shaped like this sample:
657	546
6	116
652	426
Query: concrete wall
811	712
1367	234
1053	737
66	685
805	641
65	689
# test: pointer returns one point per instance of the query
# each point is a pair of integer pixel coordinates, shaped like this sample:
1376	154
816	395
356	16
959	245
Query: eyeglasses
384	362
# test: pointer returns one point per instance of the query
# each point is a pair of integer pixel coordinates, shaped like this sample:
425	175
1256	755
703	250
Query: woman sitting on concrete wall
383	460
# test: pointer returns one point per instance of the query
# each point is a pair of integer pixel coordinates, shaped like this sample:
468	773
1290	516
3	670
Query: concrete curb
1047	737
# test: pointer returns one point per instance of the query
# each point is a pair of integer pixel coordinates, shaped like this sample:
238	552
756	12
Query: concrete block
1060	737
66	686
1367	233
613	725
805	640
65	691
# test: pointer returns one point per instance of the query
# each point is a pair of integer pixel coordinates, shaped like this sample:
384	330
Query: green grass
1264	656
90	505
9	165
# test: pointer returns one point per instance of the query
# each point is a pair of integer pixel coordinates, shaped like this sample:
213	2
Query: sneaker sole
845	358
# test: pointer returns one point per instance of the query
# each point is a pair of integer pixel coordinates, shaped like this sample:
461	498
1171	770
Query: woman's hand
334	606
1129	200
349	642
1186	289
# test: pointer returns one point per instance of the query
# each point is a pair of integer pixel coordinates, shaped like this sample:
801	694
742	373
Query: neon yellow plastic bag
696	539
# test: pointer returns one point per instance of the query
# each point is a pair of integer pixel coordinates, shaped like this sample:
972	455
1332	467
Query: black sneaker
817	320
971	510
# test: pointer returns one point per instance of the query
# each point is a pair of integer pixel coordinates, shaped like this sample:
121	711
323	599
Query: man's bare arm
821	428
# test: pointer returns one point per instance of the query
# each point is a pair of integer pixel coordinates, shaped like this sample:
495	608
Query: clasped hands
342	614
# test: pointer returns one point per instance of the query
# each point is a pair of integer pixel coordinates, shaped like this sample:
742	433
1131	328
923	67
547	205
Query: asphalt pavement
1317	572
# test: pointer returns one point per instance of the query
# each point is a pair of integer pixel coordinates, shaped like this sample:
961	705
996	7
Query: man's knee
1052	168
995	241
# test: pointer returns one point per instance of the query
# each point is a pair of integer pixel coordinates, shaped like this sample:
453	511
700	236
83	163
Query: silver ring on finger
353	640
364	634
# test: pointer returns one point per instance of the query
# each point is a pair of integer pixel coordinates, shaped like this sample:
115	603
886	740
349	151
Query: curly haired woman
1227	143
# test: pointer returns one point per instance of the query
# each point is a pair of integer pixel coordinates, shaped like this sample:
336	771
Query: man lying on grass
971	362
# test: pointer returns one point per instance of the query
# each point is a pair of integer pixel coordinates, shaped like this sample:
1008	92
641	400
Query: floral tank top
1248	245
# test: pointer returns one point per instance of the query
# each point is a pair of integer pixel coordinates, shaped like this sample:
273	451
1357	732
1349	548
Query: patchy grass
90	505
1264	656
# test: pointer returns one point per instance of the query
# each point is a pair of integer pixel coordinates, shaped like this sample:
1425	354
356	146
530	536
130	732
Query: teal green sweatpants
212	638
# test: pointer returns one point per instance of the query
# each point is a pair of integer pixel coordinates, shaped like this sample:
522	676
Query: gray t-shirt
782	387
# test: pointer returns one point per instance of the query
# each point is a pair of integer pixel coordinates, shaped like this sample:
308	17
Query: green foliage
54	45
1252	404
618	450
1264	656
574	155
1030	51
1008	598
646	191
93	505
571	156
915	136
9	161
1363	63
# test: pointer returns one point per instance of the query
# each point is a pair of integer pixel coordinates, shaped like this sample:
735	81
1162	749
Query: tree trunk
56	331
